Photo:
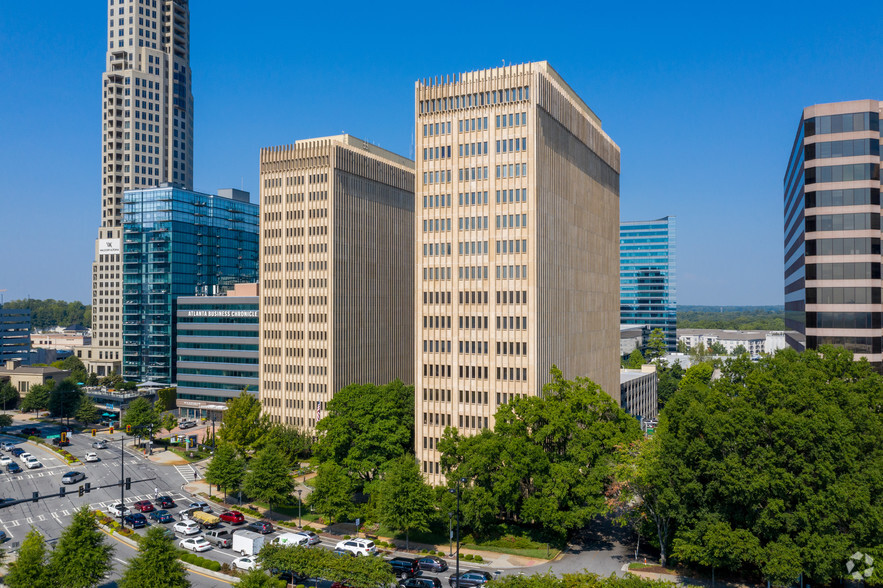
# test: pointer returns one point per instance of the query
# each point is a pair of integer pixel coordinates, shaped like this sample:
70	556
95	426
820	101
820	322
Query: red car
232	516
143	506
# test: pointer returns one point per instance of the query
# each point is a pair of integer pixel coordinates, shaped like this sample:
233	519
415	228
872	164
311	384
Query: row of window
842	123
472	272
436	322
506	96
511	272
849	148
439	200
479	148
439	128
436	249
436	273
432	346
843	271
436	225
438	177
843	320
472	247
845	295
865	345
511	246
437	297
516	145
843	173
849	197
437	395
843	246
431	153
843	222
469	174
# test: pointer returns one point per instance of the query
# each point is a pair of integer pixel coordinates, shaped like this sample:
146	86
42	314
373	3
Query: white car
245	563
99	444
33	463
195	544
5	460
117	510
312	538
24	456
357	546
7	446
92	456
186	528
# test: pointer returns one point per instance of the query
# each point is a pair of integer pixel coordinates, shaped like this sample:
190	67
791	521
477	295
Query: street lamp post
457	572
213	434
450	534
299	491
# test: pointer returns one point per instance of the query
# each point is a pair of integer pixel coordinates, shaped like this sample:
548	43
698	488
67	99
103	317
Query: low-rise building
755	342
633	337
638	392
24	377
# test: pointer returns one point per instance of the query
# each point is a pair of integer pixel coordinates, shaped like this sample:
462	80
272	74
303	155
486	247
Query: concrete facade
638	392
147	139
23	377
337	273
517	246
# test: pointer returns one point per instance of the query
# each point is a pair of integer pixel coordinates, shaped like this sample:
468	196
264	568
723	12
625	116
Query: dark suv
404	567
469	579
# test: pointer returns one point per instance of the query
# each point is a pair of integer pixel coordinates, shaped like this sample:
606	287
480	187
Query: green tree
243	425
682	346
29	569
547	459
717	348
5	420
656	346
581	580
256	578
739	350
366	426
635	360
269	479
168	421
81	557
156	565
112	380
406	501
291	441
362	572
226	470
52	313
87	413
64	399
37	397
9	397
669	380
143	416
332	494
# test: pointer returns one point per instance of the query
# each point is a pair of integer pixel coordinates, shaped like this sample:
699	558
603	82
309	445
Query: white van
247	543
292	539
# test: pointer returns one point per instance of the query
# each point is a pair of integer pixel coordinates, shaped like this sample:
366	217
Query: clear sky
702	98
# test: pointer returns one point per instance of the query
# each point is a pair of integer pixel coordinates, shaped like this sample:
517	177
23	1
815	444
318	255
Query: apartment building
516	247
146	140
832	230
337	273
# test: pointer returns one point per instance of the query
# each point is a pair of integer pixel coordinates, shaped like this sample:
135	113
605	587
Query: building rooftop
629	375
730	335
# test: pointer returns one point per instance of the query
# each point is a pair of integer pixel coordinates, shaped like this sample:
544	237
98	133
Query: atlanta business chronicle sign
108	246
222	313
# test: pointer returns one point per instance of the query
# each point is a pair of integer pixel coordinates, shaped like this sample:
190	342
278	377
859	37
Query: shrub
440	553
345	537
478	558
309	528
469	557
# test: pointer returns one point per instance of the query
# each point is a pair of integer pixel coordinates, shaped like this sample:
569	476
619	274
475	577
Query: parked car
470	578
234	517
203	506
7	446
262	527
432	563
3	536
245	563
101	444
136	520
422	582
92	456
33	463
143	506
343	553
117	509
312	537
16	451
195	544
72	477
24	456
186	424
165	502
357	546
5	460
404	567
186	528
161	516
219	538
13	468
31	432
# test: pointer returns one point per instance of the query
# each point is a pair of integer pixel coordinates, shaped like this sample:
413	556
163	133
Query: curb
207	572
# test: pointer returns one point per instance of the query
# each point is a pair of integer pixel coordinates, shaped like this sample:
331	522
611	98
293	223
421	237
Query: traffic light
88	487
128	483
62	491
63	437
128	429
80	490
111	430
94	432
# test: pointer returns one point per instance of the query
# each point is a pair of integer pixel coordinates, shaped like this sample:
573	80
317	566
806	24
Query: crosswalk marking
186	471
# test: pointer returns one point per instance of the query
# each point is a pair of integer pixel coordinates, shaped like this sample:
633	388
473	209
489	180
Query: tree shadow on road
602	534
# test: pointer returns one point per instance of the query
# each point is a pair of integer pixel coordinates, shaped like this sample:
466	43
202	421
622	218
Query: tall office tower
517	246
337	273
179	243
832	230
15	334
647	276
147	139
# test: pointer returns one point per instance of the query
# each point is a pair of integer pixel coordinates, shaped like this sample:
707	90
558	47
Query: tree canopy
547	460
81	557
37	397
226	469
656	346
768	318
52	313
243	425
142	415
29	569
156	565
406	502
358	572
269	478
366	426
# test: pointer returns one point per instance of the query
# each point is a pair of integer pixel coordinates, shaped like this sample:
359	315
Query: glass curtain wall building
178	242
647	276
15	334
832	230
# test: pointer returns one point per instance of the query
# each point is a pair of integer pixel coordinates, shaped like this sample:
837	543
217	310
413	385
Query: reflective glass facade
15	334
647	276
178	243
832	230
217	351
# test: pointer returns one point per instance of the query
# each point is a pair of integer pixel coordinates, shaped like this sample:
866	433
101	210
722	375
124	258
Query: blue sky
703	100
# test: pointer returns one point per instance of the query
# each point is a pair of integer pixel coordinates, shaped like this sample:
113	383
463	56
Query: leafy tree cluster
9	397
767	318
547	460
584	580
362	572
669	380
54	313
775	469
156	565
81	557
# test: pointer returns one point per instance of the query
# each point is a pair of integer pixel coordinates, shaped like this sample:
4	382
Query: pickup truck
219	538
206	520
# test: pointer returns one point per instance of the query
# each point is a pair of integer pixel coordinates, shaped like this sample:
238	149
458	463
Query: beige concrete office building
517	246
337	273
147	139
